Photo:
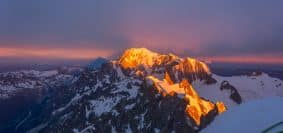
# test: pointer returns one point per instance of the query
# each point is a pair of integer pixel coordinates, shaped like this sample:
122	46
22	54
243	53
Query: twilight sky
221	30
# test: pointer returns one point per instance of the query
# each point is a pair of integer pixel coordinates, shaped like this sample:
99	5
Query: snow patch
104	105
131	106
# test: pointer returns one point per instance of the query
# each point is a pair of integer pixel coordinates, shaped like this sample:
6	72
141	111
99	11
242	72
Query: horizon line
90	54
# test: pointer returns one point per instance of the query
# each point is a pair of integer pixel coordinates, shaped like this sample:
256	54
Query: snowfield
255	87
251	117
249	87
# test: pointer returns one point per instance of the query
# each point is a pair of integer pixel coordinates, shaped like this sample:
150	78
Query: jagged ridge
142	59
173	76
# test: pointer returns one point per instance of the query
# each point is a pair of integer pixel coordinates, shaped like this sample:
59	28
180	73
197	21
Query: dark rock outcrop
234	94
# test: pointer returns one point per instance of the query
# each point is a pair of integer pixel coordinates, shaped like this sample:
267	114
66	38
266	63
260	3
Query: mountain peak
134	57
170	75
143	59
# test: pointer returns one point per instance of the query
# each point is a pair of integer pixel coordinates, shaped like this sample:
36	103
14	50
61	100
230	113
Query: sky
220	30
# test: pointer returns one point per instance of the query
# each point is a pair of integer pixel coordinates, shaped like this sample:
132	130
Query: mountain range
142	91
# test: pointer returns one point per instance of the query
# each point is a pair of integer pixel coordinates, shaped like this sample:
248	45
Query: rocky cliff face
234	94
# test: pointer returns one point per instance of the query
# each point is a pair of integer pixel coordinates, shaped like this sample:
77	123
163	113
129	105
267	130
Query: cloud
189	28
50	53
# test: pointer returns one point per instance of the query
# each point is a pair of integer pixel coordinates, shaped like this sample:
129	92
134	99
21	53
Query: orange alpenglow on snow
168	79
190	65
196	107
137	56
162	79
220	107
164	88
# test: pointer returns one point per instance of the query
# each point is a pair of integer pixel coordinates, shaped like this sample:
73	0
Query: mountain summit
135	57
144	59
170	75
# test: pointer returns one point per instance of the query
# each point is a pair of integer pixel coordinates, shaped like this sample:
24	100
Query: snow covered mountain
13	83
144	91
97	63
21	90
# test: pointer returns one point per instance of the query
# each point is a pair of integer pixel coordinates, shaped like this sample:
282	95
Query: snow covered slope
251	117
255	87
250	88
